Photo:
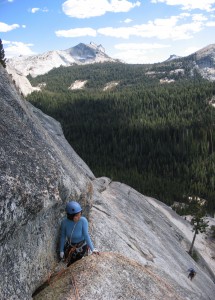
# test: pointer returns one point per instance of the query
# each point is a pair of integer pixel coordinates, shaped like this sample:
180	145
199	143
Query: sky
133	31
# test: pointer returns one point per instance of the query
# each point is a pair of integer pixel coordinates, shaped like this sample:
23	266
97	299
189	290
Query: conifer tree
199	224
2	56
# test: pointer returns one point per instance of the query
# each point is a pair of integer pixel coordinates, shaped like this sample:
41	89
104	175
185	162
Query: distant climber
75	239
191	273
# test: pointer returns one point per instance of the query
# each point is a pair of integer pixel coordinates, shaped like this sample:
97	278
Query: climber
75	239
192	273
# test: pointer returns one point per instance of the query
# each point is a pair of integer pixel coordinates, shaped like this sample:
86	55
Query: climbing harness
73	250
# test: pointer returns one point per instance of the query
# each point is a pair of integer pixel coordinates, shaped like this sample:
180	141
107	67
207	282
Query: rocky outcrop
21	82
110	276
143	254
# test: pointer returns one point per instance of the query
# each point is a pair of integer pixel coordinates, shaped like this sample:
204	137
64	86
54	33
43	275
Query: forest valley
157	138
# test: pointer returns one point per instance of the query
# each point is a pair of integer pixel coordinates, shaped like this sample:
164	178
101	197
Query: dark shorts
77	254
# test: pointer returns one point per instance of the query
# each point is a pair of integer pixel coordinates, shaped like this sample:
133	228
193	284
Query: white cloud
76	32
191	50
34	10
5	27
127	21
159	28
185	15
130	56
122	5
44	9
210	24
186	31
170	28
139	46
145	52
190	4
88	8
17	48
120	32
10	0
199	17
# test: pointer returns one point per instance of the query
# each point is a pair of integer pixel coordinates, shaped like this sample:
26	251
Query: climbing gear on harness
73	207
73	251
79	246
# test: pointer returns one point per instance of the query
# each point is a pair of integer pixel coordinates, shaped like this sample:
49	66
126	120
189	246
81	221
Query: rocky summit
143	251
42	63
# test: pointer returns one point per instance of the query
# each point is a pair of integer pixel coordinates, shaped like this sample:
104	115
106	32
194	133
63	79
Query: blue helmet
73	207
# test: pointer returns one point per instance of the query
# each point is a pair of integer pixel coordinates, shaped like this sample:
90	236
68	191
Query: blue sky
144	31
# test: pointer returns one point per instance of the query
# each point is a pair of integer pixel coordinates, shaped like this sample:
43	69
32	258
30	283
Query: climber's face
77	217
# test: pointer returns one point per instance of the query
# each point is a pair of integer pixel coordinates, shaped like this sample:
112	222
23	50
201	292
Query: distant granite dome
205	58
42	63
22	66
206	51
204	61
173	56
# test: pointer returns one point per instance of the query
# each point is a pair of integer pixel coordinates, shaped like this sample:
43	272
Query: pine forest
159	138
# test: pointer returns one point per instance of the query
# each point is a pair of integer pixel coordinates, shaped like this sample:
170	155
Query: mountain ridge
39	64
202	61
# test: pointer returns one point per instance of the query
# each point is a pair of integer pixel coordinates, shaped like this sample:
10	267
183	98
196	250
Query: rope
68	256
75	288
53	278
56	277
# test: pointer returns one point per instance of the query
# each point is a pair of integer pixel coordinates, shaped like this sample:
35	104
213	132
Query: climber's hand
95	251
61	255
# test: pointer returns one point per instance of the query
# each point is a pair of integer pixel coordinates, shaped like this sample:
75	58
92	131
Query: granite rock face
127	222
143	254
205	62
39	172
